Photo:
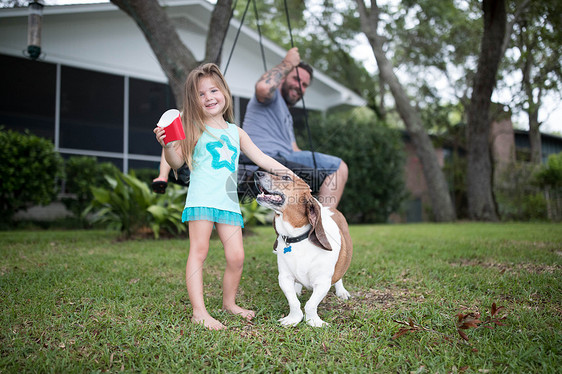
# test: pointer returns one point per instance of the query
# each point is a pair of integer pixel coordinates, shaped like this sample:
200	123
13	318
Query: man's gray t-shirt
270	125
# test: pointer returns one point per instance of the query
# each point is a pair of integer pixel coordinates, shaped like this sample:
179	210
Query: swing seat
246	185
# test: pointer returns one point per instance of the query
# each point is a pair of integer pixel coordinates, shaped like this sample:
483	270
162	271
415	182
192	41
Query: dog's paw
292	319
316	321
343	294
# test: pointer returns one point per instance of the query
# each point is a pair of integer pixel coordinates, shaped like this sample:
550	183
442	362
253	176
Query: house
507	146
510	145
97	88
550	144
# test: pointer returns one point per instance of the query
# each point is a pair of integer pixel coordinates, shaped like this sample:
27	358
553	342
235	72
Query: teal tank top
214	179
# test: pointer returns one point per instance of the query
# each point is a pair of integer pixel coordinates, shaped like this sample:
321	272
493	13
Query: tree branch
510	25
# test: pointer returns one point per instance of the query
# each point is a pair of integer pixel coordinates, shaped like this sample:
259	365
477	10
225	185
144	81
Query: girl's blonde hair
193	117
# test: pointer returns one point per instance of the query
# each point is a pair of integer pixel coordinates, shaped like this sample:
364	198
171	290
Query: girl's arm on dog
261	159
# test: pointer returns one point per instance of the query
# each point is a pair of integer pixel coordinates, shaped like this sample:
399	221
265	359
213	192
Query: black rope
265	66
260	38
236	38
300	86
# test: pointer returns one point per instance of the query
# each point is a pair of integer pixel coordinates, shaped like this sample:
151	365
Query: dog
313	244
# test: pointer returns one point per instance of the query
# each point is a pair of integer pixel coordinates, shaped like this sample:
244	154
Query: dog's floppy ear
317	235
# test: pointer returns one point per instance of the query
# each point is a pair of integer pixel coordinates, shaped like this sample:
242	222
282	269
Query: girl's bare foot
208	321
245	313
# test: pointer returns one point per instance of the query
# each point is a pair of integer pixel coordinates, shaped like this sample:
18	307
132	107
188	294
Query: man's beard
286	95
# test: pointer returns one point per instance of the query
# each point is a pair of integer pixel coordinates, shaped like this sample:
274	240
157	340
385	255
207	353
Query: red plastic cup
171	123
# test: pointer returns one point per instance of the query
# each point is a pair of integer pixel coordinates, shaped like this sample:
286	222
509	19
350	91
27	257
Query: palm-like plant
128	205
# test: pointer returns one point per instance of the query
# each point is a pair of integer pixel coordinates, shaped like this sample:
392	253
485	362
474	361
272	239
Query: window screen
91	113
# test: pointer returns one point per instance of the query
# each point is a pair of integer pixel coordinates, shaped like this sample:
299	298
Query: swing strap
238	33
265	66
259	34
300	87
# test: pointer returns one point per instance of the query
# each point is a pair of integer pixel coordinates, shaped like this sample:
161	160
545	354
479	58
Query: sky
550	113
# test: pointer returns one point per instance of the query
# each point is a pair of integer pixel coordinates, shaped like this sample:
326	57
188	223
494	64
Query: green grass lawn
82	301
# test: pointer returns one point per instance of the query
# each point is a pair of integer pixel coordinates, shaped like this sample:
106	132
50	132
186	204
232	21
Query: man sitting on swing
269	124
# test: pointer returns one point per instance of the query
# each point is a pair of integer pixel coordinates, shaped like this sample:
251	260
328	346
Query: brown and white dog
313	244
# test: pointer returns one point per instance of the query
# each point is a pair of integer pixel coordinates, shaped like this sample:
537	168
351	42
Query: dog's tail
346	251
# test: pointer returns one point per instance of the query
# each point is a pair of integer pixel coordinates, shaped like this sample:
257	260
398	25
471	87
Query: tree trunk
533	106
220	20
175	59
535	137
437	186
481	203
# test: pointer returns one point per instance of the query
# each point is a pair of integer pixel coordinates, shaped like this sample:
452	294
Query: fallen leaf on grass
463	322
494	318
401	332
411	327
466	321
463	335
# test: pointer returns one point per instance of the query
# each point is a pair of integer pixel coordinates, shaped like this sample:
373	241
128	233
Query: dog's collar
295	239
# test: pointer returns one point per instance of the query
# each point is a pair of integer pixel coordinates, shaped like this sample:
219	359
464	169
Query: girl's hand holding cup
169	128
160	136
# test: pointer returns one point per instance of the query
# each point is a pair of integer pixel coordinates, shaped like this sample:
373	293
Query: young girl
211	150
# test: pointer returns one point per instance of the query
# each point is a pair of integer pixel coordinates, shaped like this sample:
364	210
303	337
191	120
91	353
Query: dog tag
287	249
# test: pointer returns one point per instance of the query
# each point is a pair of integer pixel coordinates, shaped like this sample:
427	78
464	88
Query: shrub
375	157
128	205
145	175
82	173
549	177
455	171
30	170
550	174
255	214
517	196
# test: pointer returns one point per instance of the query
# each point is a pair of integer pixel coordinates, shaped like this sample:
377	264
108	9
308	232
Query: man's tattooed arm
271	80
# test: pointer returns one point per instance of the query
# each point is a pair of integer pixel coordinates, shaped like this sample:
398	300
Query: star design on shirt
223	153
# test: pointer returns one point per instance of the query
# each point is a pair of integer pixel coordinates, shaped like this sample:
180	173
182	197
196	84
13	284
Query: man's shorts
302	164
326	163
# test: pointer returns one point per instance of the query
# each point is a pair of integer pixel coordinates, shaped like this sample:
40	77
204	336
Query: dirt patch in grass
4	270
503	267
388	298
535	301
527	244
